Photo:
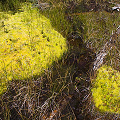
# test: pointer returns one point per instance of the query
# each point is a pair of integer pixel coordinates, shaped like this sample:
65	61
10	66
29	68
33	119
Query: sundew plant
28	45
106	90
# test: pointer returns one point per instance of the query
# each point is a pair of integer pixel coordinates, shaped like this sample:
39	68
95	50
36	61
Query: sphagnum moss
29	46
106	90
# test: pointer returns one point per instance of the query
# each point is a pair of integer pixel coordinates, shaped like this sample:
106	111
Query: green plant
13	5
100	26
58	20
106	90
29	45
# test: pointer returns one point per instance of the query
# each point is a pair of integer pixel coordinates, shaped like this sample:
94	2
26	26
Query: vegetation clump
28	45
13	5
106	90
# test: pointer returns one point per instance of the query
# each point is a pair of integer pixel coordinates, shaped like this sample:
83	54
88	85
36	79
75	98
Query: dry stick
104	51
65	100
57	110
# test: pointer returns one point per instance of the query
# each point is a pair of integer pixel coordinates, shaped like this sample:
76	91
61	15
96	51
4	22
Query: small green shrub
28	45
106	90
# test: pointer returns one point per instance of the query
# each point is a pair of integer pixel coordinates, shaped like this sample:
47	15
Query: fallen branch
105	50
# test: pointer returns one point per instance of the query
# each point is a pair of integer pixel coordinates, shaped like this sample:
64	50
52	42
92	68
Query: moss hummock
106	90
28	45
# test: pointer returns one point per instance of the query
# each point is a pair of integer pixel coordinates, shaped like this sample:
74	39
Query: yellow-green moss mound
28	45
106	90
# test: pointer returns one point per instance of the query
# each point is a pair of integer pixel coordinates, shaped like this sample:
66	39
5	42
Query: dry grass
63	90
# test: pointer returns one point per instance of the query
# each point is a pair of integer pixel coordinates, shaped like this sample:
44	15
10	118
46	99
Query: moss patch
106	90
28	45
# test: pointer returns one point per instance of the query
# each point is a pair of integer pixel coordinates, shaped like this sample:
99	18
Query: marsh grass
13	5
37	98
63	89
